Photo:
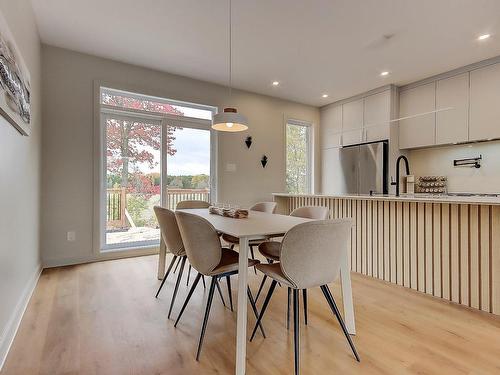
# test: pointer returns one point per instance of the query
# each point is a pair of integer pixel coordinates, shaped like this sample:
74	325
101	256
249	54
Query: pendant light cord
230	47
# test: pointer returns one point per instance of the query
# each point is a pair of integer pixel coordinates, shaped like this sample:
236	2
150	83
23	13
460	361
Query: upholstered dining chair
271	250
310	256
192	204
171	238
206	255
268	207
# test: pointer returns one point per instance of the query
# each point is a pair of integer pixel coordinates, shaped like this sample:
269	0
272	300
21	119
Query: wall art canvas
15	89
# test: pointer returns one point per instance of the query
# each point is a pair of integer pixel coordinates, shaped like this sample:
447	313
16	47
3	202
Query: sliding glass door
148	161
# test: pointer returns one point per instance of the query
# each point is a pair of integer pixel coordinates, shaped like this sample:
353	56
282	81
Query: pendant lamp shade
229	121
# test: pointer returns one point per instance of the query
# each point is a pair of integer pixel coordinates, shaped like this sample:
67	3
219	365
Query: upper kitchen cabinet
419	129
485	103
377	116
352	122
331	126
452	125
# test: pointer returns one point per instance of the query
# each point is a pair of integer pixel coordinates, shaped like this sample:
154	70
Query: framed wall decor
15	91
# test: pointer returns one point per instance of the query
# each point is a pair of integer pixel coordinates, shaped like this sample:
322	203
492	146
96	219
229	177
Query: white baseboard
10	330
107	255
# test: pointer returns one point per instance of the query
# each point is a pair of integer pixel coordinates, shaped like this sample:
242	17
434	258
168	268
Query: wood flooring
102	318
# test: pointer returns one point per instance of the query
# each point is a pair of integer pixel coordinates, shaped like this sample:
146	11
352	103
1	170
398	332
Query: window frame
310	151
99	248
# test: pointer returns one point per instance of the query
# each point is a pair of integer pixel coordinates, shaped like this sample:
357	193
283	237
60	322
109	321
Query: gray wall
19	182
68	157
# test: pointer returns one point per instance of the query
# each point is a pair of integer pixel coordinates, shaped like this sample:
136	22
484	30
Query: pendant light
230	120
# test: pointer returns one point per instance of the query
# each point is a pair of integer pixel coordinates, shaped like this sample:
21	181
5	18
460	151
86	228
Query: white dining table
259	225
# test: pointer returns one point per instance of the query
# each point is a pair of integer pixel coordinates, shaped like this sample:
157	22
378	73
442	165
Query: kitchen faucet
397	172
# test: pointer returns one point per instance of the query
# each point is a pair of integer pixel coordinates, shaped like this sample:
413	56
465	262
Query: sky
193	152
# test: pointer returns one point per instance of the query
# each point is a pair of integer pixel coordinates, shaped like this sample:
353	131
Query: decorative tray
235	213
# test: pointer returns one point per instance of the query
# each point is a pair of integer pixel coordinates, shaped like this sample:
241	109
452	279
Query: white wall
68	184
19	184
439	161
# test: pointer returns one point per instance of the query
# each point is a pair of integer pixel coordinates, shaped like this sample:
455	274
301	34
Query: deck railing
116	203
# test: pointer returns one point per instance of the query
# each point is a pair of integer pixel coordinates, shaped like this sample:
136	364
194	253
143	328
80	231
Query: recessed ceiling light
384	73
275	83
483	37
324	95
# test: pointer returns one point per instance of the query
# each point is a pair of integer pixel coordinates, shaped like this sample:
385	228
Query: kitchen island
446	246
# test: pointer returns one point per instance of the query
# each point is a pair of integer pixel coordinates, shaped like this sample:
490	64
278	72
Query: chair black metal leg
220	292
296	330
203	279
228	281
177	265
183	262
254	308
335	310
166	275
189	274
213	283
253	258
304	297
288	309
264	307
193	287
260	288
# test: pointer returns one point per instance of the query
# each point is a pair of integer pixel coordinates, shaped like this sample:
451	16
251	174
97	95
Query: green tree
297	144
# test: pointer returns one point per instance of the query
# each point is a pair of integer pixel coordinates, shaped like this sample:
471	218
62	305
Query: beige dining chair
209	258
268	207
310	256
172	239
271	250
193	204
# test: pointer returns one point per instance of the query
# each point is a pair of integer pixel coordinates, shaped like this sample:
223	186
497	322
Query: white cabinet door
485	103
332	181
331	126
417	131
352	122
452	125
377	114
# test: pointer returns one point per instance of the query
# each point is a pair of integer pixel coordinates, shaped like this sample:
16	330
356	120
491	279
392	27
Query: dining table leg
345	278
241	324
162	259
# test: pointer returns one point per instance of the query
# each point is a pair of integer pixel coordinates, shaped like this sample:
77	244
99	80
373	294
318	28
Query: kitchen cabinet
452	125
331	169
418	131
485	103
331	126
377	114
352	122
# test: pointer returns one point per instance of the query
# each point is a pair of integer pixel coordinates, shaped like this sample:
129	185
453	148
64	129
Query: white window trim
99	250
310	145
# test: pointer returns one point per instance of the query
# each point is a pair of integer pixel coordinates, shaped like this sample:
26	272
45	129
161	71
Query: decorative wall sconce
263	161
248	141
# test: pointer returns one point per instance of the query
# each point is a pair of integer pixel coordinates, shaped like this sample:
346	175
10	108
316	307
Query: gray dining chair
271	250
209	258
172	239
310	256
268	207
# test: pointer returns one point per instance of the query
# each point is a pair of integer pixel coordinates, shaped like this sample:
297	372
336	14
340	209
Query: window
298	157
155	152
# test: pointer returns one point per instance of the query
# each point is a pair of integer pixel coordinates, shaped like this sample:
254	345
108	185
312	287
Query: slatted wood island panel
448	248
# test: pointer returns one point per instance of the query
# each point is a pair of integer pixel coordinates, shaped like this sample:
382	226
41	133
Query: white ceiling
312	47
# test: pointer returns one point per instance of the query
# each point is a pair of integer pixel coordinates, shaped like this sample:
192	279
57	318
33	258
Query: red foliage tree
128	141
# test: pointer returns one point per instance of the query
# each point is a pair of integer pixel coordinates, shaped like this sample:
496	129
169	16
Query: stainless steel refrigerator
363	168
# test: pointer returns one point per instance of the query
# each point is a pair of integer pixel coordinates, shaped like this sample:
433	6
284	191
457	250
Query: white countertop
406	198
